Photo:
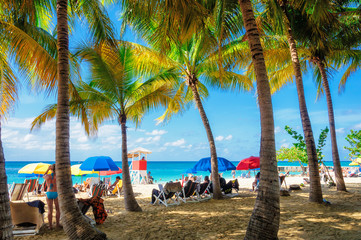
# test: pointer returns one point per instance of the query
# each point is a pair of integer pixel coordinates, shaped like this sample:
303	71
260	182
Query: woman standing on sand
52	196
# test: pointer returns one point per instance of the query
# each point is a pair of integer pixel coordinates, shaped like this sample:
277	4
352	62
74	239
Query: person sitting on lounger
256	182
111	187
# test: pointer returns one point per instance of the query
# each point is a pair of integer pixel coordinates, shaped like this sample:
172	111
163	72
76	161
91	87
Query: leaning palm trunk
340	183
264	222
75	225
315	181
6	227
129	199
217	194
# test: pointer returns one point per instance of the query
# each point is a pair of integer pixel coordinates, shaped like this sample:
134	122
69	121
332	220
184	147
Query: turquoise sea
161	171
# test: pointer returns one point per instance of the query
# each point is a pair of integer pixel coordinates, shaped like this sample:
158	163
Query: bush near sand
228	218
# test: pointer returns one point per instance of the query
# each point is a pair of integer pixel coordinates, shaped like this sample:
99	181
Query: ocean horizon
161	171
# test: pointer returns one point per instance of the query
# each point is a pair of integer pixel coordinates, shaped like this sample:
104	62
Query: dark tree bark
264	222
315	181
130	202
6	226
340	183
75	225
217	194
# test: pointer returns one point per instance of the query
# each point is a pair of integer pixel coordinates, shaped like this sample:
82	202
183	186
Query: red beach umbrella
107	173
248	163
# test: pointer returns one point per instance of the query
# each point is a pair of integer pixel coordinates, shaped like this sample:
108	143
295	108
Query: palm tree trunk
217	194
264	222
6	226
129	198
340	183
75	225
315	181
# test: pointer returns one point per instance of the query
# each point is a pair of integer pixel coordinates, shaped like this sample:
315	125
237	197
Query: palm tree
116	93
194	50
75	225
8	86
279	10
331	42
264	222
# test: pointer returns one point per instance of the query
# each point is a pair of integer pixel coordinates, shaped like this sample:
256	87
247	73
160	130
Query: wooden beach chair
188	193
169	194
18	191
22	213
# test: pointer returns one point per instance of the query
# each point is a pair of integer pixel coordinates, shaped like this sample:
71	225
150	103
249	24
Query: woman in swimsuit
52	196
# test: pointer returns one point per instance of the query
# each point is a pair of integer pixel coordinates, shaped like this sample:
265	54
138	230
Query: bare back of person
52	196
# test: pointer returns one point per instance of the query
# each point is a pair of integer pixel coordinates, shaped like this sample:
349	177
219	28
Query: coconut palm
331	44
264	222
115	92
280	16
194	50
8	94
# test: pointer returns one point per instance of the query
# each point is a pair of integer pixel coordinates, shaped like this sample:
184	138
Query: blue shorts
52	195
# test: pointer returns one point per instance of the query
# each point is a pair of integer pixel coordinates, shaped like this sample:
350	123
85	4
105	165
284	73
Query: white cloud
278	129
229	137
357	126
177	143
221	138
340	130
156	132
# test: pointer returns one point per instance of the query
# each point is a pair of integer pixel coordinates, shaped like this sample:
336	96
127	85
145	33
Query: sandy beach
228	218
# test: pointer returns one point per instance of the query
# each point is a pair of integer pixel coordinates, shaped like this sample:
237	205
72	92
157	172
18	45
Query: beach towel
98	208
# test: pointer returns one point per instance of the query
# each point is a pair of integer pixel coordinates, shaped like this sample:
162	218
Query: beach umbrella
249	163
99	163
205	165
355	162
108	173
76	171
35	168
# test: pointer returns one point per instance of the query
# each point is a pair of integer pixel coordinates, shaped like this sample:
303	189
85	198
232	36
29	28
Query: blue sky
234	119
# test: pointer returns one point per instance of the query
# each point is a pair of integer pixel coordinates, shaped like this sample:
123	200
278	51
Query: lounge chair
107	184
204	191
18	191
188	193
33	185
23	214
97	190
167	194
118	188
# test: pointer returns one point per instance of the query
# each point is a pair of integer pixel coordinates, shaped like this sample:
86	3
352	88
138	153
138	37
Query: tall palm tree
116	92
194	49
8	94
264	222
280	10
72	218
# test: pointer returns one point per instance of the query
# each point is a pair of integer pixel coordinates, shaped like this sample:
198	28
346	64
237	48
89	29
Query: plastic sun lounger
204	191
188	193
169	194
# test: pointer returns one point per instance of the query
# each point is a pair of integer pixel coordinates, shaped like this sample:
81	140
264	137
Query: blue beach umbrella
205	165
99	163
